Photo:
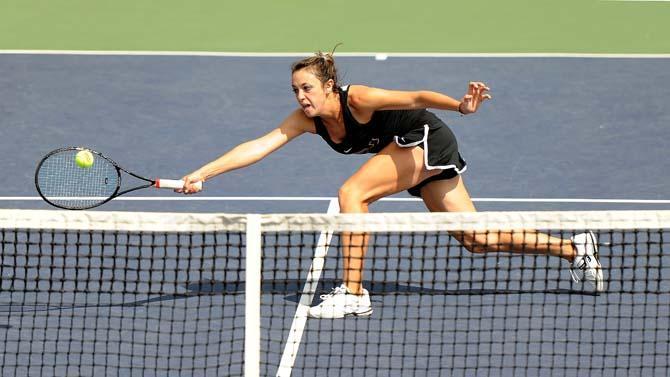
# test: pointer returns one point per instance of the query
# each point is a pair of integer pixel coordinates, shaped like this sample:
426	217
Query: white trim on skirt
424	140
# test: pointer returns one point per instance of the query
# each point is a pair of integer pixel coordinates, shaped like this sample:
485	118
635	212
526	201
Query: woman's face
310	93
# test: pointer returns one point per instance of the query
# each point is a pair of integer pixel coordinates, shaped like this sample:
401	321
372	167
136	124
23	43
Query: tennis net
118	293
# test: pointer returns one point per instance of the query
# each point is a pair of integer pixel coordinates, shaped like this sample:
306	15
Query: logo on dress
372	143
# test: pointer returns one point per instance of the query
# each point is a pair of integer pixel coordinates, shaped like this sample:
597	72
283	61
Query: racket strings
63	183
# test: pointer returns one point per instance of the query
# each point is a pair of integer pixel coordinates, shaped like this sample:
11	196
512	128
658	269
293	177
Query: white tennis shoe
340	303
586	265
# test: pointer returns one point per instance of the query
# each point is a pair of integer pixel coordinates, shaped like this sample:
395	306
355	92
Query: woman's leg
392	170
452	196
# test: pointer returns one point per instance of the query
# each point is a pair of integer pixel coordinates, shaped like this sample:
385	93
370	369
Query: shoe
340	303
586	265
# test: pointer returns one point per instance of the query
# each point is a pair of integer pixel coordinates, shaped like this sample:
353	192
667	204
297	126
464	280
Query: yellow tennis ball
84	159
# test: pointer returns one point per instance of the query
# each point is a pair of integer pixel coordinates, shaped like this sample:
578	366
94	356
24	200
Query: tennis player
412	150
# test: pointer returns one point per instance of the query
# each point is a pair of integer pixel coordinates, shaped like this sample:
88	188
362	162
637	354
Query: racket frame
117	191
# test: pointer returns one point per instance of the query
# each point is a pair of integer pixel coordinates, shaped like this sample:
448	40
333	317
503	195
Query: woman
413	150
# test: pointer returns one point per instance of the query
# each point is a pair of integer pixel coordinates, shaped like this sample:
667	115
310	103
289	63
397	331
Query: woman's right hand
190	184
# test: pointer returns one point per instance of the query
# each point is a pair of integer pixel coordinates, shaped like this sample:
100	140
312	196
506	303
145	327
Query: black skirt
440	152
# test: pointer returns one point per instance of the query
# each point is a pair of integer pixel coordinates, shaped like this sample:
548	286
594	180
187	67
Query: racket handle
173	184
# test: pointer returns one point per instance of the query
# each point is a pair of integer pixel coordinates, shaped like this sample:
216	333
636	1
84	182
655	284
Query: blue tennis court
564	134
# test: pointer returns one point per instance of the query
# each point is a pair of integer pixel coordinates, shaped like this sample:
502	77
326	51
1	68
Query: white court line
300	317
180	198
234	54
326	198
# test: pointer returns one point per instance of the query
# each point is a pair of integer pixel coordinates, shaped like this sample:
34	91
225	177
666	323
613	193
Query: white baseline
344	54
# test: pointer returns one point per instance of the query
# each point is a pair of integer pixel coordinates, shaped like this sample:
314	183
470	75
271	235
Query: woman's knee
352	198
478	242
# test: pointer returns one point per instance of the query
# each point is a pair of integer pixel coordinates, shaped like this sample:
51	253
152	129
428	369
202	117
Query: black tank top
378	132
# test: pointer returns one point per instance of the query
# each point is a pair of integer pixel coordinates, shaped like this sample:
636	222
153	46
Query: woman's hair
322	65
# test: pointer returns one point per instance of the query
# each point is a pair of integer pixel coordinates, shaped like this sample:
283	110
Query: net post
252	339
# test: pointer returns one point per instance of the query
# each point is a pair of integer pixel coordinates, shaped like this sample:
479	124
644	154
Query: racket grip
173	184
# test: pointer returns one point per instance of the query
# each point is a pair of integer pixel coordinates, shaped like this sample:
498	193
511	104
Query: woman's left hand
477	93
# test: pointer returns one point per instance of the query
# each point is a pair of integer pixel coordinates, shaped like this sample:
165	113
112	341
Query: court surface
573	131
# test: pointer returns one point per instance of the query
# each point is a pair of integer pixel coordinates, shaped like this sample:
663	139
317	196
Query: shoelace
582	266
583	263
333	292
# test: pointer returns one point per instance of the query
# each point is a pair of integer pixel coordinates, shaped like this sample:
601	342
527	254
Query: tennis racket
63	183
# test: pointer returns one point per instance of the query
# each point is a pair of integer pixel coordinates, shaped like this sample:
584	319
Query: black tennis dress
407	128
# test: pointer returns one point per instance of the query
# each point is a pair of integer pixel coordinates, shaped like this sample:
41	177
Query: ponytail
322	65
